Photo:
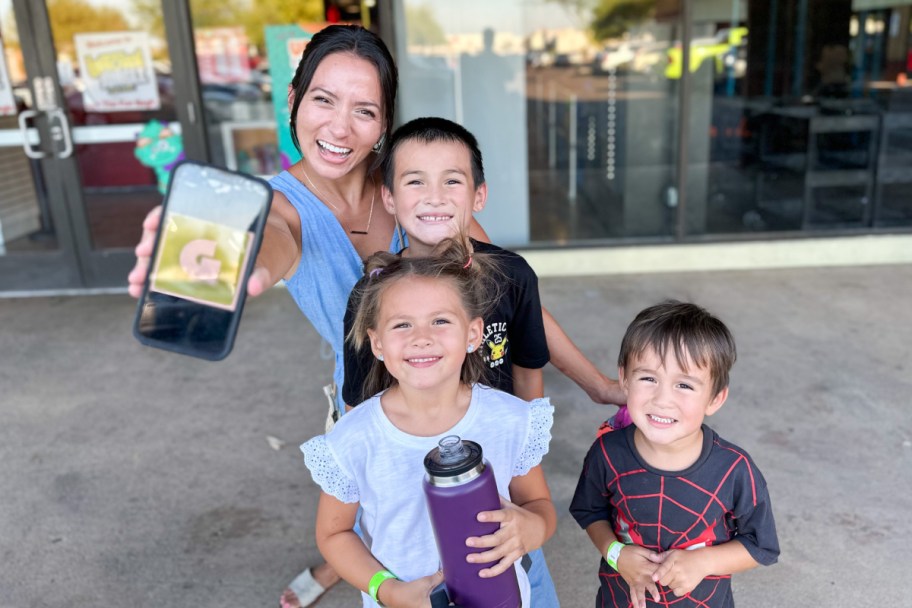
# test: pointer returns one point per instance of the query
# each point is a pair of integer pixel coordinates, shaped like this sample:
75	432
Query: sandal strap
306	587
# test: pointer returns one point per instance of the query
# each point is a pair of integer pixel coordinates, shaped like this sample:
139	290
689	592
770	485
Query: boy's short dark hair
690	330
428	130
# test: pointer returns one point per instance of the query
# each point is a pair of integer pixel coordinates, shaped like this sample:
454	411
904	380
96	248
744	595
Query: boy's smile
667	403
433	194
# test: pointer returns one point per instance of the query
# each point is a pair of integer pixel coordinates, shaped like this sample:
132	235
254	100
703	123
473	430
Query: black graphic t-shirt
514	333
721	498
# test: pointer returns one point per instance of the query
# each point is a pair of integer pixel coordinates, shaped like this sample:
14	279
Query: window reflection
791	109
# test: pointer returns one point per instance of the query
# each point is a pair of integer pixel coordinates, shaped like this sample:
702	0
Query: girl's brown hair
473	275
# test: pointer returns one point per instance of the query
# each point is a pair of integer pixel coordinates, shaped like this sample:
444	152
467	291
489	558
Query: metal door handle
24	116
64	126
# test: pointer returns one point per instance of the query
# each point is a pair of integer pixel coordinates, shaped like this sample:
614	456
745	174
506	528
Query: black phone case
236	315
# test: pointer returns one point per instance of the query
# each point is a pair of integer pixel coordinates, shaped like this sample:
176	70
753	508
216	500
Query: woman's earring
380	358
379	145
470	348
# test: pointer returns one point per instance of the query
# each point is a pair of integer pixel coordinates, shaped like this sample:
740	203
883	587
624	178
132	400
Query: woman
326	215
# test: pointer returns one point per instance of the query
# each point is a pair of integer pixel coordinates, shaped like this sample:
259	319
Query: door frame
75	264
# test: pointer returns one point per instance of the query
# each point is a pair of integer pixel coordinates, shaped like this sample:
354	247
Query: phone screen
210	232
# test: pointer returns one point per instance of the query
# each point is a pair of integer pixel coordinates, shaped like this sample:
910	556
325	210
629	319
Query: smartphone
211	229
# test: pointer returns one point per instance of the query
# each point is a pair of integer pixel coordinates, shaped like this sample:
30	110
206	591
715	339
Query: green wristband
612	554
376	580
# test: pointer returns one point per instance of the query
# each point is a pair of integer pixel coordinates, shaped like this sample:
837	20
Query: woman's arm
528	384
566	357
477	232
279	254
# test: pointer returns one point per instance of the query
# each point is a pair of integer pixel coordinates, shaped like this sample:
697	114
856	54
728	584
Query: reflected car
649	58
723	50
617	57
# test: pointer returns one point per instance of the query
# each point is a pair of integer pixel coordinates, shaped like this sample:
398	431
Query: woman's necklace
322	196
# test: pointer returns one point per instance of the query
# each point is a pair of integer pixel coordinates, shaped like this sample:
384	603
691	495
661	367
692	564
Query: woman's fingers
137	277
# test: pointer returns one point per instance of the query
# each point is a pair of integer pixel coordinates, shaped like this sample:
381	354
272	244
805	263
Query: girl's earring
379	145
470	348
380	357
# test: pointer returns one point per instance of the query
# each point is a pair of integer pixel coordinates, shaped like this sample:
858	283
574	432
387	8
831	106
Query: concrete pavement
137	477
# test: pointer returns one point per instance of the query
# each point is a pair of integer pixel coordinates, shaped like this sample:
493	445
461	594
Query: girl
423	318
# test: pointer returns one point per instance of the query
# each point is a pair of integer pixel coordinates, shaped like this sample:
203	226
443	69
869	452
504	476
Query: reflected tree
613	18
610	18
252	16
71	17
423	27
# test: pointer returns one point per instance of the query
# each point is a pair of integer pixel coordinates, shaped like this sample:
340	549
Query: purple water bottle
459	485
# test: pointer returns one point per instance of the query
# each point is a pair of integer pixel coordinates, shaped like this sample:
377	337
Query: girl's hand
414	594
681	571
260	279
519	530
637	566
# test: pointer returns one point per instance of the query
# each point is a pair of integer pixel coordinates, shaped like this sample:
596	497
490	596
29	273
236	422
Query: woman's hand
137	277
415	594
520	531
260	279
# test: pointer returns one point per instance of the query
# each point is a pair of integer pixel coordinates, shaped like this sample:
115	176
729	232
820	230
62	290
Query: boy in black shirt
433	181
673	508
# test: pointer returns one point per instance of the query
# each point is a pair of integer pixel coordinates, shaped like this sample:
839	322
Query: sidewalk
142	478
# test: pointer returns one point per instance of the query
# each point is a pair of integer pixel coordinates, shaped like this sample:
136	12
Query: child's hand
507	544
413	594
681	571
637	566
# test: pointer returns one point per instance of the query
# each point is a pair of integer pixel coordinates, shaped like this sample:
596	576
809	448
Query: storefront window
796	116
575	120
233	42
805	115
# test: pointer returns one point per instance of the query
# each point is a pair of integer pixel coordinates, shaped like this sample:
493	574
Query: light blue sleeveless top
329	268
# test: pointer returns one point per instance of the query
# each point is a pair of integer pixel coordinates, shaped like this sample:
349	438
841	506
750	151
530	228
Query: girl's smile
423	332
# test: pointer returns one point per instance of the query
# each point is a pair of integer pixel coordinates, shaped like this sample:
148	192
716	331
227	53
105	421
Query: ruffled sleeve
538	437
326	472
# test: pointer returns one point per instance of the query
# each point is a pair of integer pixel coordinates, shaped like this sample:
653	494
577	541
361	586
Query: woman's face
341	115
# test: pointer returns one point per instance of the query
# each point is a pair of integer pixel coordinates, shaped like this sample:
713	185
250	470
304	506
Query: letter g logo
197	261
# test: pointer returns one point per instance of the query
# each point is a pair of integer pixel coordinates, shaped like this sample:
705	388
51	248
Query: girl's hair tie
467	264
375	272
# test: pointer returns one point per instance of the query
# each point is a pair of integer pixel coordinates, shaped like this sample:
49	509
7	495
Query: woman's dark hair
357	41
475	277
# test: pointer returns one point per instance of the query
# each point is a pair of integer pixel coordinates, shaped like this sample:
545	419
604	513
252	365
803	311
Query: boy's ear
622	380
717	402
388	202
481	198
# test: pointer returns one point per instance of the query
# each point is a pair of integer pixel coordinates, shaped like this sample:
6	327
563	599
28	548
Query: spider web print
693	509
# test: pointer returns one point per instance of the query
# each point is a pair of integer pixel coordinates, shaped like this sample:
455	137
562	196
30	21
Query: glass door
37	250
93	122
